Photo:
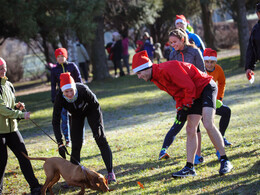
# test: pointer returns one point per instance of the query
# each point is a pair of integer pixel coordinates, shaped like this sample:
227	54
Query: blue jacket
197	40
61	68
148	47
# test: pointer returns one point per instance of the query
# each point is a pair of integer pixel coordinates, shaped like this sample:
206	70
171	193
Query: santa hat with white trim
141	61
182	19
2	61
210	54
66	81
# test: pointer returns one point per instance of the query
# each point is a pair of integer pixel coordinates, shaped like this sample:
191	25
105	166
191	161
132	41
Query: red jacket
181	80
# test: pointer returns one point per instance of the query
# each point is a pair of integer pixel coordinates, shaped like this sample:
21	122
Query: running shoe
198	160
185	172
163	154
226	142
111	177
225	167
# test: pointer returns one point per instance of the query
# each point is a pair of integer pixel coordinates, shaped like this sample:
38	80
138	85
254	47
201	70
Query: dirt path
47	87
32	90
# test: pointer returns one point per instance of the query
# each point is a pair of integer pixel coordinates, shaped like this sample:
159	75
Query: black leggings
225	113
117	64
84	68
15	142
76	134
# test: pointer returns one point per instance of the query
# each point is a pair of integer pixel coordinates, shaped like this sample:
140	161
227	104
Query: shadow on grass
35	102
248	186
133	169
128	114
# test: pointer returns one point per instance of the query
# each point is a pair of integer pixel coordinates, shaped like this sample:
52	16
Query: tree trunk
207	24
243	30
46	49
99	58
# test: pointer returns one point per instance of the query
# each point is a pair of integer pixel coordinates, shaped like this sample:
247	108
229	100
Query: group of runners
190	77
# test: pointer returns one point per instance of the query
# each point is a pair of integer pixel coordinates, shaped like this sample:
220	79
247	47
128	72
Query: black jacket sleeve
56	117
53	85
250	54
253	48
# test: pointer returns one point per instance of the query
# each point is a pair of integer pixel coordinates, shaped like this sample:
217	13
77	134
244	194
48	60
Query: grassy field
137	116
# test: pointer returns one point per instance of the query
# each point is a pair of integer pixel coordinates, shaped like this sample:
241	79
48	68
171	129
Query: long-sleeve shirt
253	48
189	54
220	79
8	113
183	81
86	105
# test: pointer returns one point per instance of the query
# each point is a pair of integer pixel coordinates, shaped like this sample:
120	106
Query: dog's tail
31	158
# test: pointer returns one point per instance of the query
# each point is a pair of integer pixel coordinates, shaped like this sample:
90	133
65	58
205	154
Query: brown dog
74	175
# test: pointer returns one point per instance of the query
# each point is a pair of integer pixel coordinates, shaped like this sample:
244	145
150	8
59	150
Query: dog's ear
103	184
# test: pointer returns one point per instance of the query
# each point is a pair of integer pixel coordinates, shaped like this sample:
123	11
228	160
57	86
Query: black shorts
207	99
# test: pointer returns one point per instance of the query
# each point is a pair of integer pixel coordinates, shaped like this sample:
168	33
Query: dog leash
52	139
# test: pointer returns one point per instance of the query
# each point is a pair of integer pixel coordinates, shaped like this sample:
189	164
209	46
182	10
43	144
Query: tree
100	68
163	24
237	9
122	14
50	24
17	20
74	19
207	22
243	30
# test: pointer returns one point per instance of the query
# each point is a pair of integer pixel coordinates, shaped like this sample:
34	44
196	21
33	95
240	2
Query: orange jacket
220	79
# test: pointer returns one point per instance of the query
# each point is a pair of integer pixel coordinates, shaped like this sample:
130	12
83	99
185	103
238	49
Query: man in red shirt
195	95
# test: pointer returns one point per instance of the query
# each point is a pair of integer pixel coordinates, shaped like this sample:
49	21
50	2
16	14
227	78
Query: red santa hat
66	81
182	19
141	61
61	51
2	61
210	54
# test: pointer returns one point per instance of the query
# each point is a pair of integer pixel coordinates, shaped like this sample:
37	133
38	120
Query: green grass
137	116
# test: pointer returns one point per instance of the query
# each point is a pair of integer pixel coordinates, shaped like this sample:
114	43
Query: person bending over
195	94
82	103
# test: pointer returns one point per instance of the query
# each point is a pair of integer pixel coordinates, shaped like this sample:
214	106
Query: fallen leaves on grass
140	184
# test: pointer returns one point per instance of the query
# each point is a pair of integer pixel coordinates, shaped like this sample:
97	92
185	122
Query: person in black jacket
62	66
81	102
253	48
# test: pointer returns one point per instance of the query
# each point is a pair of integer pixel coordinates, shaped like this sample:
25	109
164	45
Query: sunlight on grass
137	117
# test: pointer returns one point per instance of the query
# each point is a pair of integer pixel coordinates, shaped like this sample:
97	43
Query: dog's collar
84	172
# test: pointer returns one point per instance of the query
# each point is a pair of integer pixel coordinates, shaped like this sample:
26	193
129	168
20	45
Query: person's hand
20	106
27	115
63	151
249	72
219	103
